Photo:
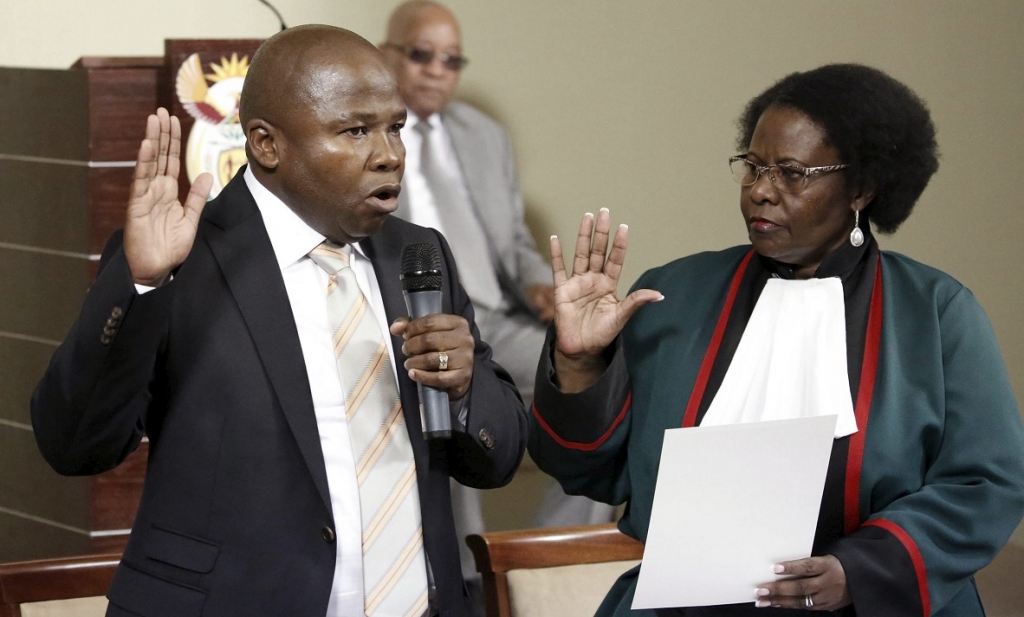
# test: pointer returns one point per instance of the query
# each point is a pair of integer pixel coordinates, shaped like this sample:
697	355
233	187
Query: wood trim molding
54	579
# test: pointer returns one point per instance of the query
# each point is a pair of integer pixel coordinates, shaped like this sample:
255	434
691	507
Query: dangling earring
856	236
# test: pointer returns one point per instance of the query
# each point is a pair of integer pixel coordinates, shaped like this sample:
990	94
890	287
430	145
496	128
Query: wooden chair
72	586
561	572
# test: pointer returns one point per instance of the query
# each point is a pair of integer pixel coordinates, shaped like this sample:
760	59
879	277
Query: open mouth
385	198
386	194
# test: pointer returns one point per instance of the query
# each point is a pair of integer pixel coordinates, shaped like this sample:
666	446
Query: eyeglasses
787	178
425	56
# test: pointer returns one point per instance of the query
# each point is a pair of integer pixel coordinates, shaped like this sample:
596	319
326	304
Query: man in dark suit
210	331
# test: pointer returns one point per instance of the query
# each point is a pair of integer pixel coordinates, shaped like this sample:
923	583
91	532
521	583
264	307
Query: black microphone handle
435	416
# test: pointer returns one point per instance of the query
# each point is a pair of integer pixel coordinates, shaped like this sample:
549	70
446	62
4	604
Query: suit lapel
475	171
242	248
472	172
384	250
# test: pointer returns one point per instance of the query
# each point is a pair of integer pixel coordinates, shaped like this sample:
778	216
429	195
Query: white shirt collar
290	236
412	119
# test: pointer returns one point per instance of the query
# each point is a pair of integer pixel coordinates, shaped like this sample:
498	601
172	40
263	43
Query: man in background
461	179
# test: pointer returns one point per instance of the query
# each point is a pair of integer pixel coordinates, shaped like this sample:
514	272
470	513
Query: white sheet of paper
731	502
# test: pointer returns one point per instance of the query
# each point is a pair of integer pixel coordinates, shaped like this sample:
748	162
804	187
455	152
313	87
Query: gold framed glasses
425	56
788	178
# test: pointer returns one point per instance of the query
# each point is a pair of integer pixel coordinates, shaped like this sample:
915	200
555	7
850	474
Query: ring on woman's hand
808	601
442	361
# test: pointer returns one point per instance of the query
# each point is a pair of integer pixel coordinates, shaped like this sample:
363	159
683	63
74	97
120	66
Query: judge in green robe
930	486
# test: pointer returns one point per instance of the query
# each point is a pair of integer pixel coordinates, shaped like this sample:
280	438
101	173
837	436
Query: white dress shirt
422	207
306	284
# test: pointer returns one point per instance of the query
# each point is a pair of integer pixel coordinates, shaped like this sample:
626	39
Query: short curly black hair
881	129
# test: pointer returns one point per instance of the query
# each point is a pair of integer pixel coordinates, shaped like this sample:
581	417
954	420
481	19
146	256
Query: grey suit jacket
485	154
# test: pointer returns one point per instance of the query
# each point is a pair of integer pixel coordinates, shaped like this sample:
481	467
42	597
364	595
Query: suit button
105	339
486	439
116	312
112	322
328	534
109	332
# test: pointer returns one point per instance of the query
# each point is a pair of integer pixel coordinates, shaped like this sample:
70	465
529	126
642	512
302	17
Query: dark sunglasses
425	56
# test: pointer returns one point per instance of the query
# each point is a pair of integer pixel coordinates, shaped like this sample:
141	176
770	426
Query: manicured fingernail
605	210
779	568
553	237
660	298
761	592
762	604
412	374
591	214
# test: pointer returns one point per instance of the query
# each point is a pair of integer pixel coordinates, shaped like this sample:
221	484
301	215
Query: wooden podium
67	152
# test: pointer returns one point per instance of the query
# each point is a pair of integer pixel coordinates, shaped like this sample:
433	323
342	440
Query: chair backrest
562	571
56	587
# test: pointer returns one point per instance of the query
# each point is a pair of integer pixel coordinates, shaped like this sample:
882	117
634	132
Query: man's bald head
421	36
322	119
288	67
408	16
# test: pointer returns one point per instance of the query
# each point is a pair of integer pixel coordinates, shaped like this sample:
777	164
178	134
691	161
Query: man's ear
262	139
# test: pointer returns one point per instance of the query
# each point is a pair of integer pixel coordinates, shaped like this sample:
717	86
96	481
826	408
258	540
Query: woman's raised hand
159	229
588	313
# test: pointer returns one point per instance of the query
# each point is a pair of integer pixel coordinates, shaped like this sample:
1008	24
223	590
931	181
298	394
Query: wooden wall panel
22	363
108	198
43	205
44	113
42	293
25	539
66	155
119	102
30	486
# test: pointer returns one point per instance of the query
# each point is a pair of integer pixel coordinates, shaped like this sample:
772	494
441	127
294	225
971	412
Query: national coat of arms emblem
216	143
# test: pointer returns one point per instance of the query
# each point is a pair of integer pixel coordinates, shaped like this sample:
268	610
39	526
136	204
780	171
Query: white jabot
305	283
791	360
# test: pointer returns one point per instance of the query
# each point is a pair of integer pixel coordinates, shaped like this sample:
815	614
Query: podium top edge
119	62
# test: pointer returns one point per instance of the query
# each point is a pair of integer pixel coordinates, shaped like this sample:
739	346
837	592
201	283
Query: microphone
279	18
421	287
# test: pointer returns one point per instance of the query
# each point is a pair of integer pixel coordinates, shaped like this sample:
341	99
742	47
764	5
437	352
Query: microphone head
421	267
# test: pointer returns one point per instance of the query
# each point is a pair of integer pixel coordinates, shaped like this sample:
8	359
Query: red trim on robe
868	372
584	447
915	557
690	416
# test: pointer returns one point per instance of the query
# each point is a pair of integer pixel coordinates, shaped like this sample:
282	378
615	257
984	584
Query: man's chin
428	106
365	230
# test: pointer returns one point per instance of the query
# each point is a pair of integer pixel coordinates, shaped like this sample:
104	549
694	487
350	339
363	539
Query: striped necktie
394	566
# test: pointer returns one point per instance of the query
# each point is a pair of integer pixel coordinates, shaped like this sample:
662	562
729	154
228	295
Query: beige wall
632	105
54	33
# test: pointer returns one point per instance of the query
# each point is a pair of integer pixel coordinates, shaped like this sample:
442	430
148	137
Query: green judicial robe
919	499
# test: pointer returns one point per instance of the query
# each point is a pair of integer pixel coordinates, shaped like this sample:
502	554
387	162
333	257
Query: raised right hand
159	230
588	313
